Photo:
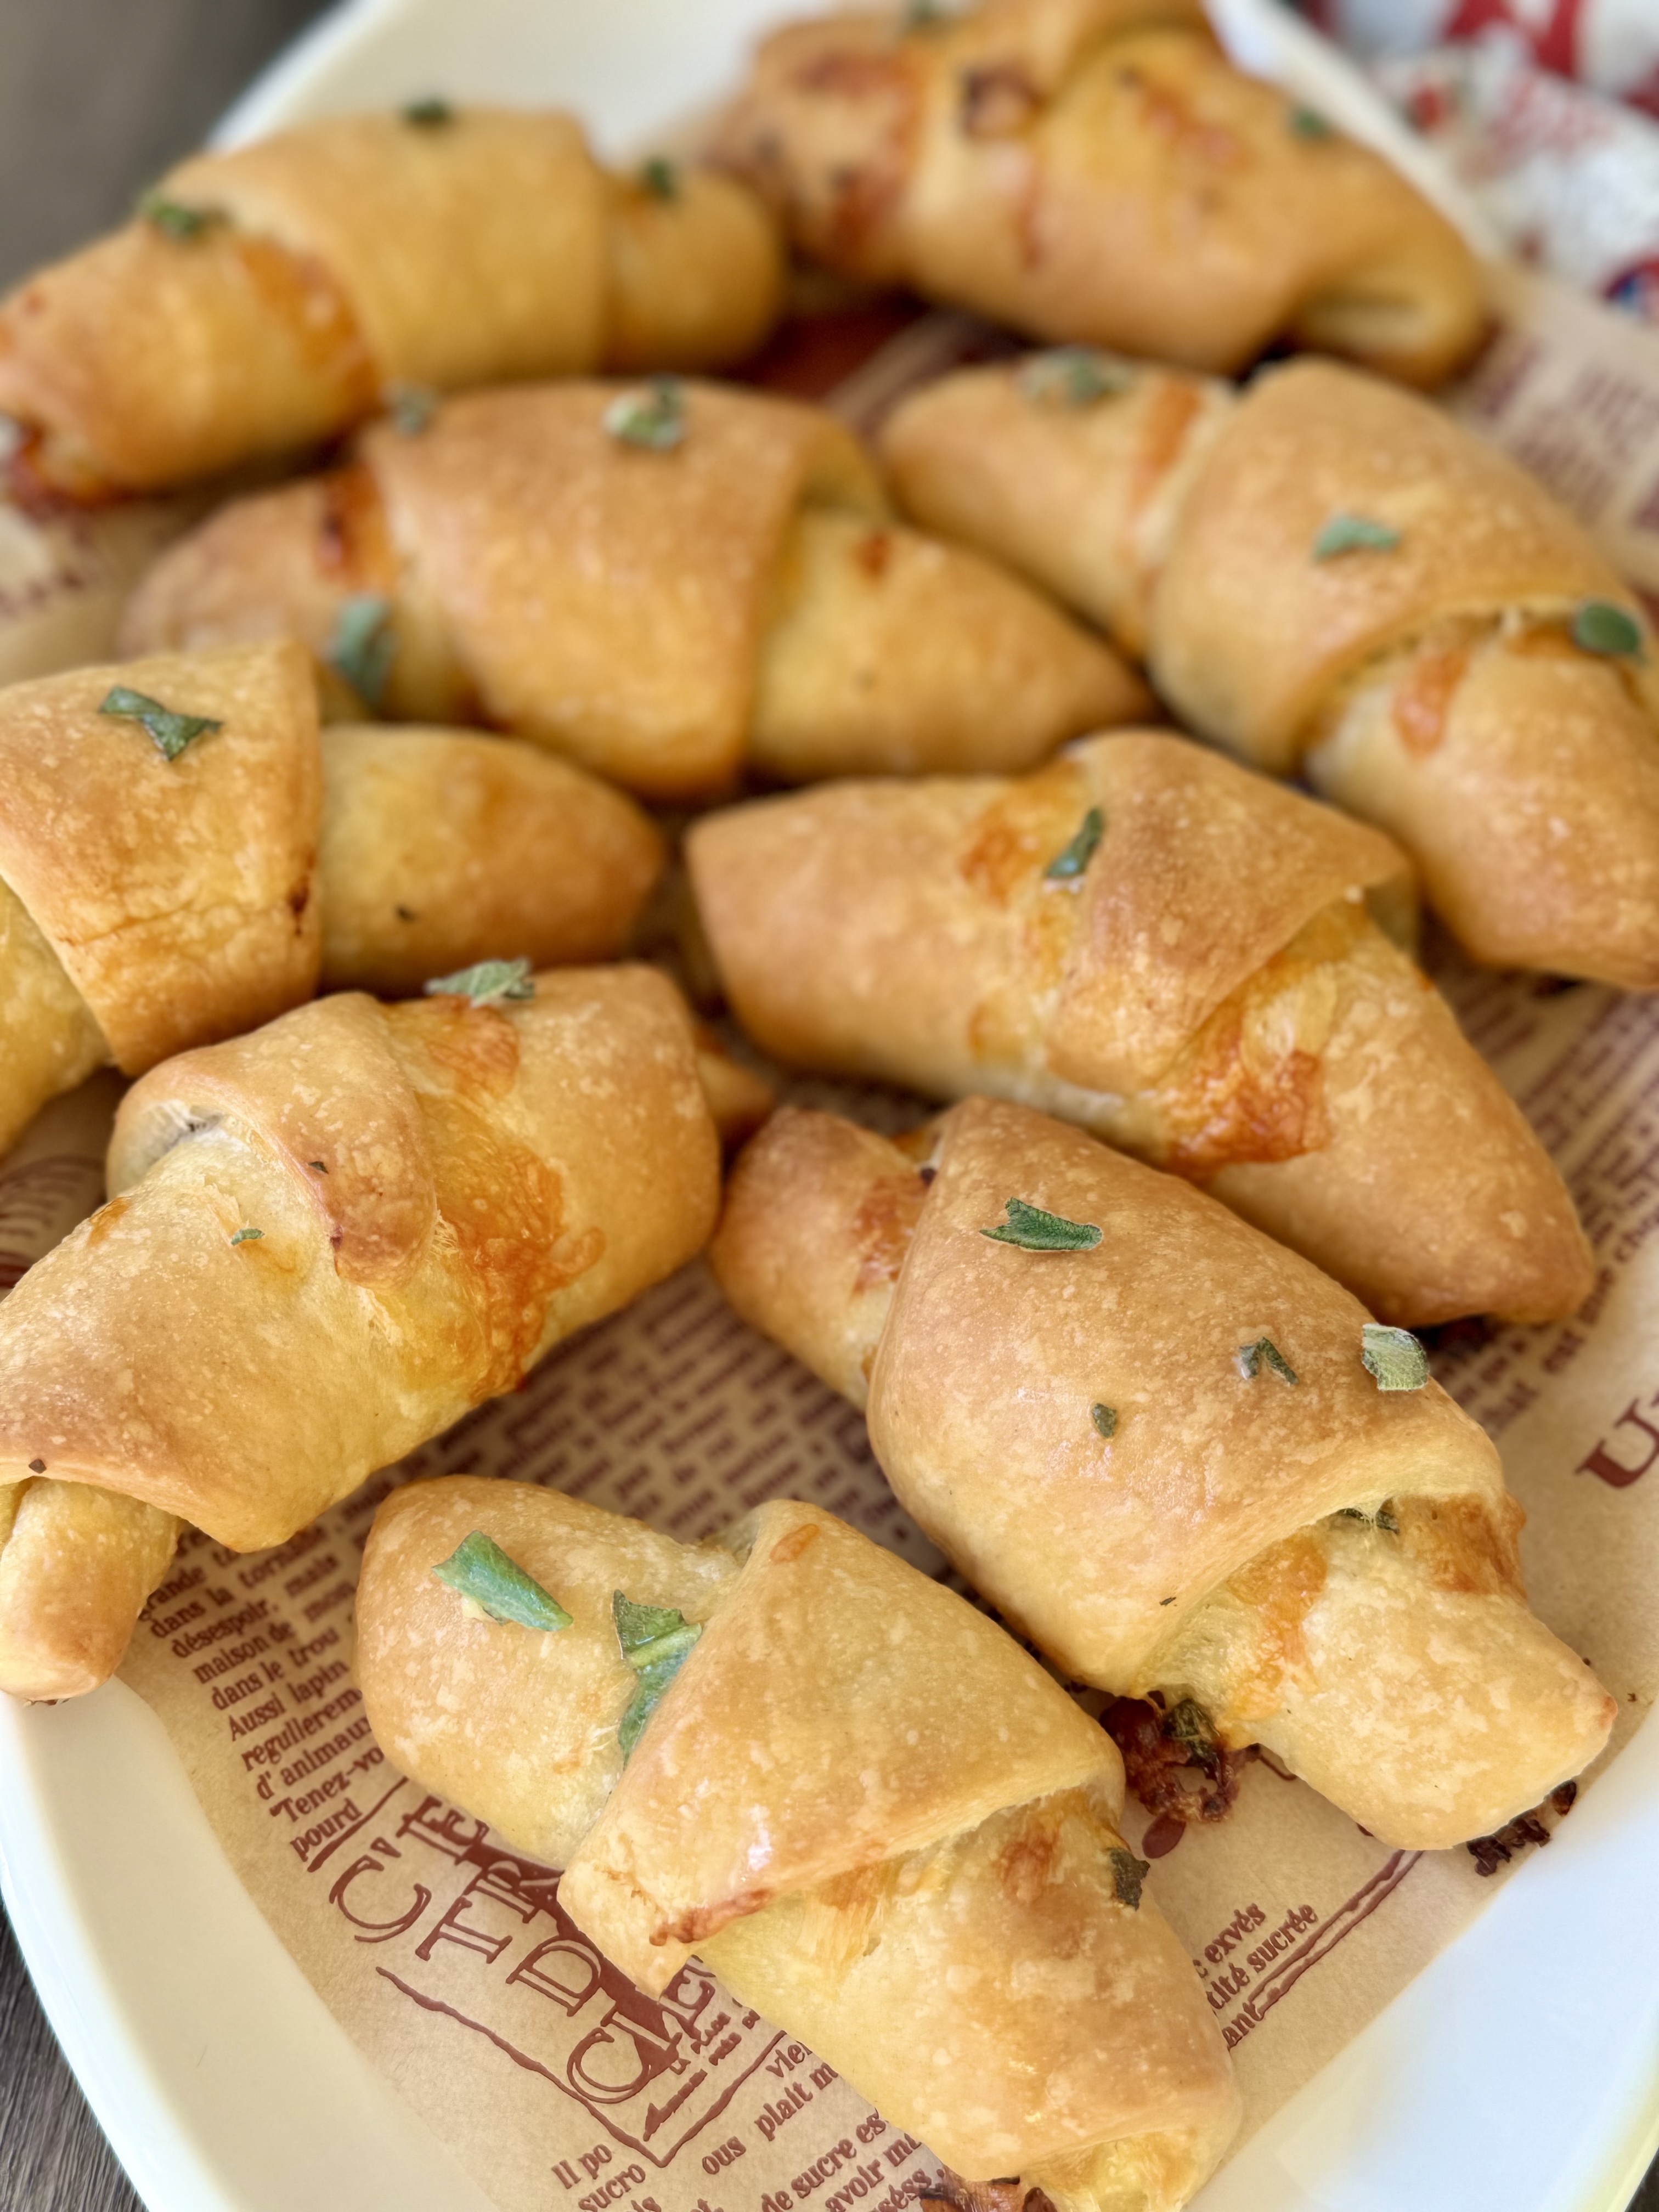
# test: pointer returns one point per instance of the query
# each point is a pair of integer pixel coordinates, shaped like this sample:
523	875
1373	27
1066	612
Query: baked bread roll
661	583
1162	1457
1095	170
1146	939
879	1821
152	900
1330	577
266	299
158	849
441	848
326	1242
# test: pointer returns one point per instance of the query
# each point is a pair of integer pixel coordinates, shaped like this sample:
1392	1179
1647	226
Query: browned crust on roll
177	894
1096	172
369	1218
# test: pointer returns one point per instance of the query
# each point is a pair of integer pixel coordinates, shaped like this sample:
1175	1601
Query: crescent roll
661	583
1330	577
266	299
326	1242
1146	939
159	824
174	865
879	1821
441	848
1095	170
1162	1445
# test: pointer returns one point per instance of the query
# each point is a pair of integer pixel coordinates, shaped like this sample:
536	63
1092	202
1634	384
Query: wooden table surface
96	97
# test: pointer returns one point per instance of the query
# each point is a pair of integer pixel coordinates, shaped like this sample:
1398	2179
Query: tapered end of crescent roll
229	347
538	1763
1069	467
738	1099
697	269
818	1216
77	1565
1394	1664
889	654
1522	772
442	848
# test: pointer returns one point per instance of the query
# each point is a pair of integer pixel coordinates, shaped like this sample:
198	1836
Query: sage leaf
1395	1357
1033	1229
1353	533
478	1568
1071	863
171	732
1264	1352
486	984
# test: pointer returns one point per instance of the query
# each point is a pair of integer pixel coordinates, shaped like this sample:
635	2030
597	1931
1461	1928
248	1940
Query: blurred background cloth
97	97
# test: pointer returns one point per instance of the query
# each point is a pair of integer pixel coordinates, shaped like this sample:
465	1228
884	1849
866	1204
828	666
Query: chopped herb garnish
651	416
655	1640
247	1236
428	114
660	178
172	732
1104	1418
1036	1231
1308	123
1264	1352
1393	1356
1074	376
1066	866
1600	627
174	220
1166	1601
485	984
1353	533
923	16
1190	1726
1127	1874
319	1165
1381	1519
480	1570
411	407
363	647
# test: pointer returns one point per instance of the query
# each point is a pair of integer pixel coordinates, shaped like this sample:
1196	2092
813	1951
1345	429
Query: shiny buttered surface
666	583
1181	955
880	1822
1155	1440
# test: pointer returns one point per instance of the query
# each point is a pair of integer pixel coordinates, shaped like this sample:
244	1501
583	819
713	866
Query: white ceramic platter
1520	2071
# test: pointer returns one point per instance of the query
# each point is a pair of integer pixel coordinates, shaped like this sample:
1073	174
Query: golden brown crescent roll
1145	938
441	848
1330	576
878	1820
266	299
662	611
328	1240
1161	1455
1095	170
157	862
